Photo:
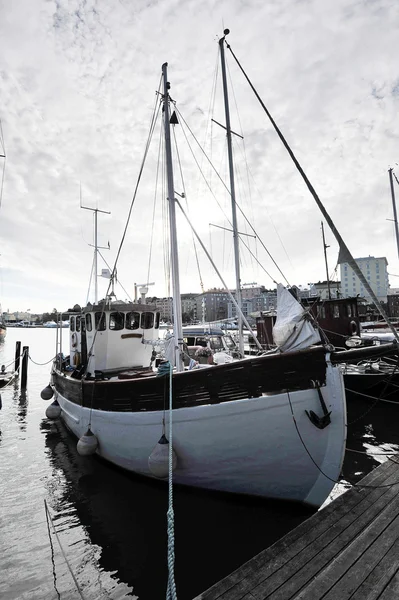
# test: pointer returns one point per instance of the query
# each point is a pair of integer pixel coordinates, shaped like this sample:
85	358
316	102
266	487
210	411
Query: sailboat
272	425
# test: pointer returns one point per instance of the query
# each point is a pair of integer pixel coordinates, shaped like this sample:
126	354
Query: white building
374	270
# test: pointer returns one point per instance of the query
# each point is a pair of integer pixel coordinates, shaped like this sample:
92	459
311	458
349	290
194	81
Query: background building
189	307
374	270
212	305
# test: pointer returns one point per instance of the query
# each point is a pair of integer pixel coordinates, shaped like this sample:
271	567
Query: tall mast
232	190
96	247
177	316
325	259
395	217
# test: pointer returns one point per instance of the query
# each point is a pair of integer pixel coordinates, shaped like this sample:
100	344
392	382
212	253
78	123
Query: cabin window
72	323
190	341
99	319
201	341
147	320
157	319
349	310
117	321
89	325
321	312
230	343
83	324
354	310
336	311
216	343
77	323
132	320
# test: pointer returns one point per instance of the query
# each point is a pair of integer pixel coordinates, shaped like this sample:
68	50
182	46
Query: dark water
111	526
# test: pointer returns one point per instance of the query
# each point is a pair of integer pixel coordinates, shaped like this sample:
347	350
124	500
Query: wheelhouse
112	337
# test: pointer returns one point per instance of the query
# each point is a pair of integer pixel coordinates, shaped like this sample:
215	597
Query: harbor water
103	534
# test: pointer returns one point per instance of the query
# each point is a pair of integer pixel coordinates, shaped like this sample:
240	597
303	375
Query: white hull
248	446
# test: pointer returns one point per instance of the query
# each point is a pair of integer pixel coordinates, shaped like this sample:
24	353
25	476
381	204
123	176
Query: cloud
78	83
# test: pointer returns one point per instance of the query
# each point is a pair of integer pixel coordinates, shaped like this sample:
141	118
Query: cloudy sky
78	81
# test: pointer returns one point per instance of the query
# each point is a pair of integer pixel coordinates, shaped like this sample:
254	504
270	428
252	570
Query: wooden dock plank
317	557
391	592
294	563
345	574
302	560
375	583
241	578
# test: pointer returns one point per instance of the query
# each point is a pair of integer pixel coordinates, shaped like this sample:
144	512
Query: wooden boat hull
248	445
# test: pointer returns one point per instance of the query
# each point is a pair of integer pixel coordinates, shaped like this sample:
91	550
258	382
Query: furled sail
292	329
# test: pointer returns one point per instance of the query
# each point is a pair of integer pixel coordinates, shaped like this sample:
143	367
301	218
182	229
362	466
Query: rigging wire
223	183
157	106
218	203
91	277
154	207
48	517
345	254
185	196
237	144
110	268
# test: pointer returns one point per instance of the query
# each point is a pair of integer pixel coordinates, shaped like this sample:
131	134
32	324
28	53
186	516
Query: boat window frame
136	320
77	324
100	321
157	320
121	324
144	320
230	343
213	345
89	322
72	324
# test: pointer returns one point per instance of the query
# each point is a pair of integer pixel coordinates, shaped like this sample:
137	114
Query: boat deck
348	550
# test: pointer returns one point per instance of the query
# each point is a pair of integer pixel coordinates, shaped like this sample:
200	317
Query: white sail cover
292	330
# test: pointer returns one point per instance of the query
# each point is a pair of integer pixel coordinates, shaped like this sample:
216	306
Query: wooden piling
24	367
17	356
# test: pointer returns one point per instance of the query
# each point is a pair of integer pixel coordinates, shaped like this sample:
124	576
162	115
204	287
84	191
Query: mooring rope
358	484
171	589
48	516
42	364
372	398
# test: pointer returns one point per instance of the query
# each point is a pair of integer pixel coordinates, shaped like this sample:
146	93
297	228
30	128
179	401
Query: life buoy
74	340
353	328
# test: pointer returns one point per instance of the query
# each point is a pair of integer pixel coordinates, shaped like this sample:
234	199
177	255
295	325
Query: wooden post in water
24	367
17	356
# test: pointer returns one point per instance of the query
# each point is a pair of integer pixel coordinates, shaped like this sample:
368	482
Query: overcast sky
78	82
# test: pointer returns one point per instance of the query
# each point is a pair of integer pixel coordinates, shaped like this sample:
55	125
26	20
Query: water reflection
125	516
371	433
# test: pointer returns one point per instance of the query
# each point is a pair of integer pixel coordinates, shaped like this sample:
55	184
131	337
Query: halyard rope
171	589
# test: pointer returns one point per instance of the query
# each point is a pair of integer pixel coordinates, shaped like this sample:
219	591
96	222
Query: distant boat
3	330
51	324
3	327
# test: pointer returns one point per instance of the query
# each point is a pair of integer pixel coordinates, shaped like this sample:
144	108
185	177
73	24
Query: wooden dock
347	550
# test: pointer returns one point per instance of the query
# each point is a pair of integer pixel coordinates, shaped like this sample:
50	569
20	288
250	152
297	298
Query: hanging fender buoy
158	461
353	328
47	393
74	340
87	444
54	410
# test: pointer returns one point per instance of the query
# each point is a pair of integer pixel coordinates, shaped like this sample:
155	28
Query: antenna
143	290
95	246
